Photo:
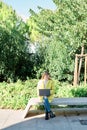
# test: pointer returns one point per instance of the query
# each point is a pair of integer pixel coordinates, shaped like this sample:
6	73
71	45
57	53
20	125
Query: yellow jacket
49	85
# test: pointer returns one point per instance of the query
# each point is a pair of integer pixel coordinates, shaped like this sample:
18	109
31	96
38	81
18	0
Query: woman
46	83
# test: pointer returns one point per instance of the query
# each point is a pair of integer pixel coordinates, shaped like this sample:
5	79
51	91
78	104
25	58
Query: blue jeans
46	104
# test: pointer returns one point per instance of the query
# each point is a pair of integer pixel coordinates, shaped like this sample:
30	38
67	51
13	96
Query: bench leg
27	109
32	101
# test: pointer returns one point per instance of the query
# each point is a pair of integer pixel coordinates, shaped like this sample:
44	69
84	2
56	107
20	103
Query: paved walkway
13	120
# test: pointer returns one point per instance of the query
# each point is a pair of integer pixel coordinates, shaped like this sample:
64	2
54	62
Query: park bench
56	101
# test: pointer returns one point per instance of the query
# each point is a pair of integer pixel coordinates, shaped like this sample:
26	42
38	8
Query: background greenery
62	32
56	36
16	95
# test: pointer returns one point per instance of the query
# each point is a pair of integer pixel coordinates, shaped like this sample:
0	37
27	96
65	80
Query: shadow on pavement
36	123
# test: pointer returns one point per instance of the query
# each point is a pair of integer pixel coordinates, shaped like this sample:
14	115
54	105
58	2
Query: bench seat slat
70	101
56	101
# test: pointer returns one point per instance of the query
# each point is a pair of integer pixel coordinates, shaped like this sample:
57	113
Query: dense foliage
62	33
16	95
57	36
15	58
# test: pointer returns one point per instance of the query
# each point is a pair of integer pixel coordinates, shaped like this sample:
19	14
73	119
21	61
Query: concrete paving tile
4	115
75	123
61	123
11	128
12	120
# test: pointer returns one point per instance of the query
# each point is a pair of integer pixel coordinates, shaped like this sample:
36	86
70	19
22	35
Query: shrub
16	95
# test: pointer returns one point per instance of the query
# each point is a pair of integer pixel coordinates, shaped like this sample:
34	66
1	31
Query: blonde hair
45	73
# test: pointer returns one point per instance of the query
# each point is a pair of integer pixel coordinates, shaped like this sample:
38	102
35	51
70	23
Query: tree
14	45
64	30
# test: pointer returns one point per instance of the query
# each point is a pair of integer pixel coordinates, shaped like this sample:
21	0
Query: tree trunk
80	63
76	71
